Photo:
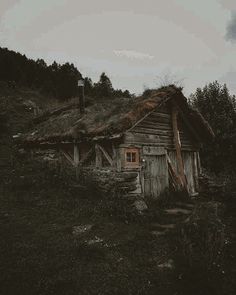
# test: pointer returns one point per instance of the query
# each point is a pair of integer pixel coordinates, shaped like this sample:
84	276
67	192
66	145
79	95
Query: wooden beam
199	163
196	171
149	113
76	160
176	180
76	155
98	159
85	158
188	125
68	157
114	155
107	156
177	143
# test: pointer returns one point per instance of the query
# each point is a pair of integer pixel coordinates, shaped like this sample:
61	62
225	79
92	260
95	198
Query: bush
202	237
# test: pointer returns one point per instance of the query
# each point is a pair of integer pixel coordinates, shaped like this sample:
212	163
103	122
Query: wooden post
114	155
76	160
81	96
196	171
177	143
98	160
199	163
106	155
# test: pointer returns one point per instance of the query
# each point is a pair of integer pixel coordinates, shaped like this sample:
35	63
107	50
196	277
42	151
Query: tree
219	108
57	80
88	86
104	87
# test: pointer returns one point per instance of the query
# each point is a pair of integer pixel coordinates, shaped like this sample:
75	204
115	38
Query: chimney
81	95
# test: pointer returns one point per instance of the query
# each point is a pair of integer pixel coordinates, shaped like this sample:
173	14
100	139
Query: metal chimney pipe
81	96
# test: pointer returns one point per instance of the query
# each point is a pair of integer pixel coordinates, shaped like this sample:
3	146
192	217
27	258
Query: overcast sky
136	42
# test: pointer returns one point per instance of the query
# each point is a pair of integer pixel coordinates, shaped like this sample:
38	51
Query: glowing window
131	157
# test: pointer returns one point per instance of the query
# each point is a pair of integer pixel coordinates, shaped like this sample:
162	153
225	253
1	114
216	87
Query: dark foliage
202	237
58	80
219	108
103	88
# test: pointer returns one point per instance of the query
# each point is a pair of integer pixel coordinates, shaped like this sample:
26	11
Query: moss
110	116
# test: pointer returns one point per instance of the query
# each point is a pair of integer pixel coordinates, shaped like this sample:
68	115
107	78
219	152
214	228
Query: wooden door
155	175
189	169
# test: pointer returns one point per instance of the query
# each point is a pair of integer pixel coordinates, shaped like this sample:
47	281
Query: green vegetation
218	107
42	250
40	254
59	81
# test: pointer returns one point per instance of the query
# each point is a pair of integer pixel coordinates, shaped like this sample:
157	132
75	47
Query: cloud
230	79
24	13
231	28
132	54
228	4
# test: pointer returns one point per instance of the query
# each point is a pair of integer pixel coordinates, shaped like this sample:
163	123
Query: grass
40	255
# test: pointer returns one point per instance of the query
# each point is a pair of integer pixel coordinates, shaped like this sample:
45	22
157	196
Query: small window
131	157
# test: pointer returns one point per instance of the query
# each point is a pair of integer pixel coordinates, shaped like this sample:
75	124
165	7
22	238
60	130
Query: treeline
58	80
219	108
103	88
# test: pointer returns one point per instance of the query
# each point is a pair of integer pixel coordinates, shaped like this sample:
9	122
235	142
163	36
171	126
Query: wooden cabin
158	137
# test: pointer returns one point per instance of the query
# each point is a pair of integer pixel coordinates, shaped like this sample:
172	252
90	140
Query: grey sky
133	41
231	28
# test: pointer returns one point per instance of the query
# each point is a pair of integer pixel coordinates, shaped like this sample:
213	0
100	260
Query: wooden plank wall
155	175
190	167
157	129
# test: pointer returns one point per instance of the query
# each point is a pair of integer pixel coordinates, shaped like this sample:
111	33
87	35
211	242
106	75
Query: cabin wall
191	168
150	145
156	129
99	171
156	132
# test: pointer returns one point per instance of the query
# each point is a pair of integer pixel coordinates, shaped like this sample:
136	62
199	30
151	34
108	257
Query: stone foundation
109	182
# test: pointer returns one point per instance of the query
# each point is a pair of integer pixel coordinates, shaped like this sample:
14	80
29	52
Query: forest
57	80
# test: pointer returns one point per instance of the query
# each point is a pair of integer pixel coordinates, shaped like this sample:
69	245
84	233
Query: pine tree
219	108
104	86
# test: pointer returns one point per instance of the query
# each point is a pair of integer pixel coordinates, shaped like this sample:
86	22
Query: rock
94	241
140	205
169	264
80	229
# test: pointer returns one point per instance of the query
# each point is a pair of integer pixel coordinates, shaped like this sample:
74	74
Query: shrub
202	237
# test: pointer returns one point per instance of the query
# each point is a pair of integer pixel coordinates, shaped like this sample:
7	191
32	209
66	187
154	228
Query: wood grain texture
155	175
180	164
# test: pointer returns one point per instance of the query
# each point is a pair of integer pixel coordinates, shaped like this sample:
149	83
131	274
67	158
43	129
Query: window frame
131	163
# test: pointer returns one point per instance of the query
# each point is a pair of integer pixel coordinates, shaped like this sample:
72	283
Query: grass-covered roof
109	117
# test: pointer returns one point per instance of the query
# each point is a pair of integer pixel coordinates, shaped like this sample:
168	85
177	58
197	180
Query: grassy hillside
59	239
